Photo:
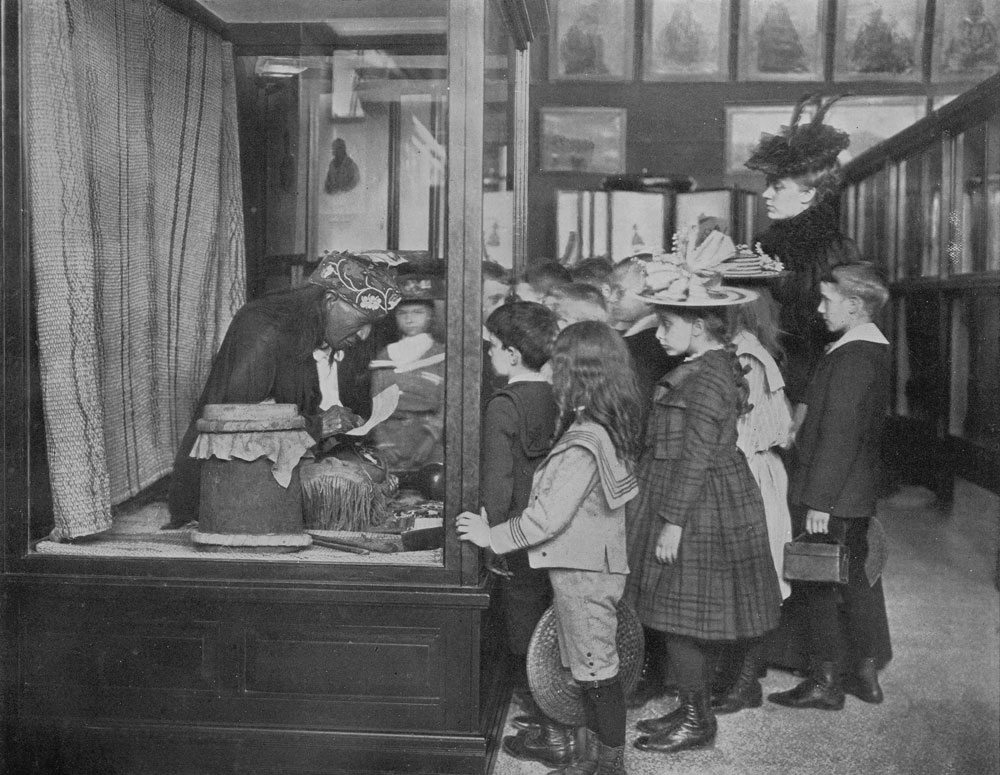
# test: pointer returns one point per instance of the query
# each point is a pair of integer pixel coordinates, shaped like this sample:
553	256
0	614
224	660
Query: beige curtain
136	237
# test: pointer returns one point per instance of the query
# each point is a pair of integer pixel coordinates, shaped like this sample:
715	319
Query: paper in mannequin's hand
383	405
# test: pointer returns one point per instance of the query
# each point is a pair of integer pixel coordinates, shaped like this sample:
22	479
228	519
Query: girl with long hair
574	525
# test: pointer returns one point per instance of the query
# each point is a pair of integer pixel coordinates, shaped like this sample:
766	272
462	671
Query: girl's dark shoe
654	726
822	691
588	760
744	693
864	683
610	760
696	730
551	744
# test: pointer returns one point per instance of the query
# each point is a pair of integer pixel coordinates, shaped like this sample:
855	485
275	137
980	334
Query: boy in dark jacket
518	426
834	488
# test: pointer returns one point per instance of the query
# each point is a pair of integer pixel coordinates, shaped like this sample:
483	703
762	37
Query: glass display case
202	167
925	205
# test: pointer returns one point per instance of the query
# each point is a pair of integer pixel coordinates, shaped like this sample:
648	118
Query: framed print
348	180
685	40
582	140
879	40
637	223
966	40
744	126
782	40
591	40
498	227
868	120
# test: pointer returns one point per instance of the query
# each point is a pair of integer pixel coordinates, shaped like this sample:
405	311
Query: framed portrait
684	40
591	40
582	140
348	180
880	40
782	40
966	40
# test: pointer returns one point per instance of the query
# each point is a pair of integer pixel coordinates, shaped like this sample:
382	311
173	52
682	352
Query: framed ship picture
879	40
782	40
591	40
582	140
966	40
685	41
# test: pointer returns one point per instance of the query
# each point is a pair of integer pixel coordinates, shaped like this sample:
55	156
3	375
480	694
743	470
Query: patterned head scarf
367	286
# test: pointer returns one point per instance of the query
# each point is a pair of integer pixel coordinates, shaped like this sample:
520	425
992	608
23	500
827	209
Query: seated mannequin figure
413	436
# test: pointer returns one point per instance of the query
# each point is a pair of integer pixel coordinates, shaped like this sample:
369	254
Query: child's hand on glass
473	527
669	542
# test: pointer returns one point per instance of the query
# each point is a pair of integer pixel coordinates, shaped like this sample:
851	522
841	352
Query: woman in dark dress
802	196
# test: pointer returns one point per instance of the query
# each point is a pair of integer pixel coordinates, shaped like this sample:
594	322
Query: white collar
643	324
866	332
409	348
528	376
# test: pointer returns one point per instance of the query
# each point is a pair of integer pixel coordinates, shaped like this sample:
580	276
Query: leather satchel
807	560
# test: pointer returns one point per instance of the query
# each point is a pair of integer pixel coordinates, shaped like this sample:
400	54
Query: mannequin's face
345	325
413	319
786	198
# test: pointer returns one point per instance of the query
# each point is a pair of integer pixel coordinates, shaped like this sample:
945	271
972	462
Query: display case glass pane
342	152
931	193
993	194
498	178
925	385
970	184
975	369
911	237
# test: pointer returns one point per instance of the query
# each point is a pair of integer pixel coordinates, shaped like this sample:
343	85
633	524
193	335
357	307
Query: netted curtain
136	237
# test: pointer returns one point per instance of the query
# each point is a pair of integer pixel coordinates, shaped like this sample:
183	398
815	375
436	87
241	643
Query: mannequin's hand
338	419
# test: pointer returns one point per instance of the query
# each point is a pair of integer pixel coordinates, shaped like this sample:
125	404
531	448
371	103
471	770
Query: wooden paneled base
87	748
146	679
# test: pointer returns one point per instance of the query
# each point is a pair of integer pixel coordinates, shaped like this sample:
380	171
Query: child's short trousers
587	621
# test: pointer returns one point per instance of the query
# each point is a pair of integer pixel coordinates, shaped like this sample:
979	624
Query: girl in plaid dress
698	542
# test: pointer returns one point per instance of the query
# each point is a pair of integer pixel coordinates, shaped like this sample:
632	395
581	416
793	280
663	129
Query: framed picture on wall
685	41
966	44
744	126
582	140
782	40
591	40
868	120
879	40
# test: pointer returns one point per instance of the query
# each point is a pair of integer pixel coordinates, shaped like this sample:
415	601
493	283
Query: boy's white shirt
866	332
528	376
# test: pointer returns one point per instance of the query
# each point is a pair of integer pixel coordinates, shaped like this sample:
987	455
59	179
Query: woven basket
552	685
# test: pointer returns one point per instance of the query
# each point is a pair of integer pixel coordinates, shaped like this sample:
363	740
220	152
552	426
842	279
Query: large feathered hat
800	148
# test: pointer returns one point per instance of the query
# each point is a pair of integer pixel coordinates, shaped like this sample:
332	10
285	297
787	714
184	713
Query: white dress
766	426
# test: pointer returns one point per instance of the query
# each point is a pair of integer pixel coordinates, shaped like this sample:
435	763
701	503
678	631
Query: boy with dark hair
539	278
596	272
833	490
518	427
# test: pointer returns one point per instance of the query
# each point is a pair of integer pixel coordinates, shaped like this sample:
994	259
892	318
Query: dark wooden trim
392	206
518	153
466	21
195	11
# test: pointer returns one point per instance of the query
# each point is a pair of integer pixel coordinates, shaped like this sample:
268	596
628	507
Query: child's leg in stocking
605	706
